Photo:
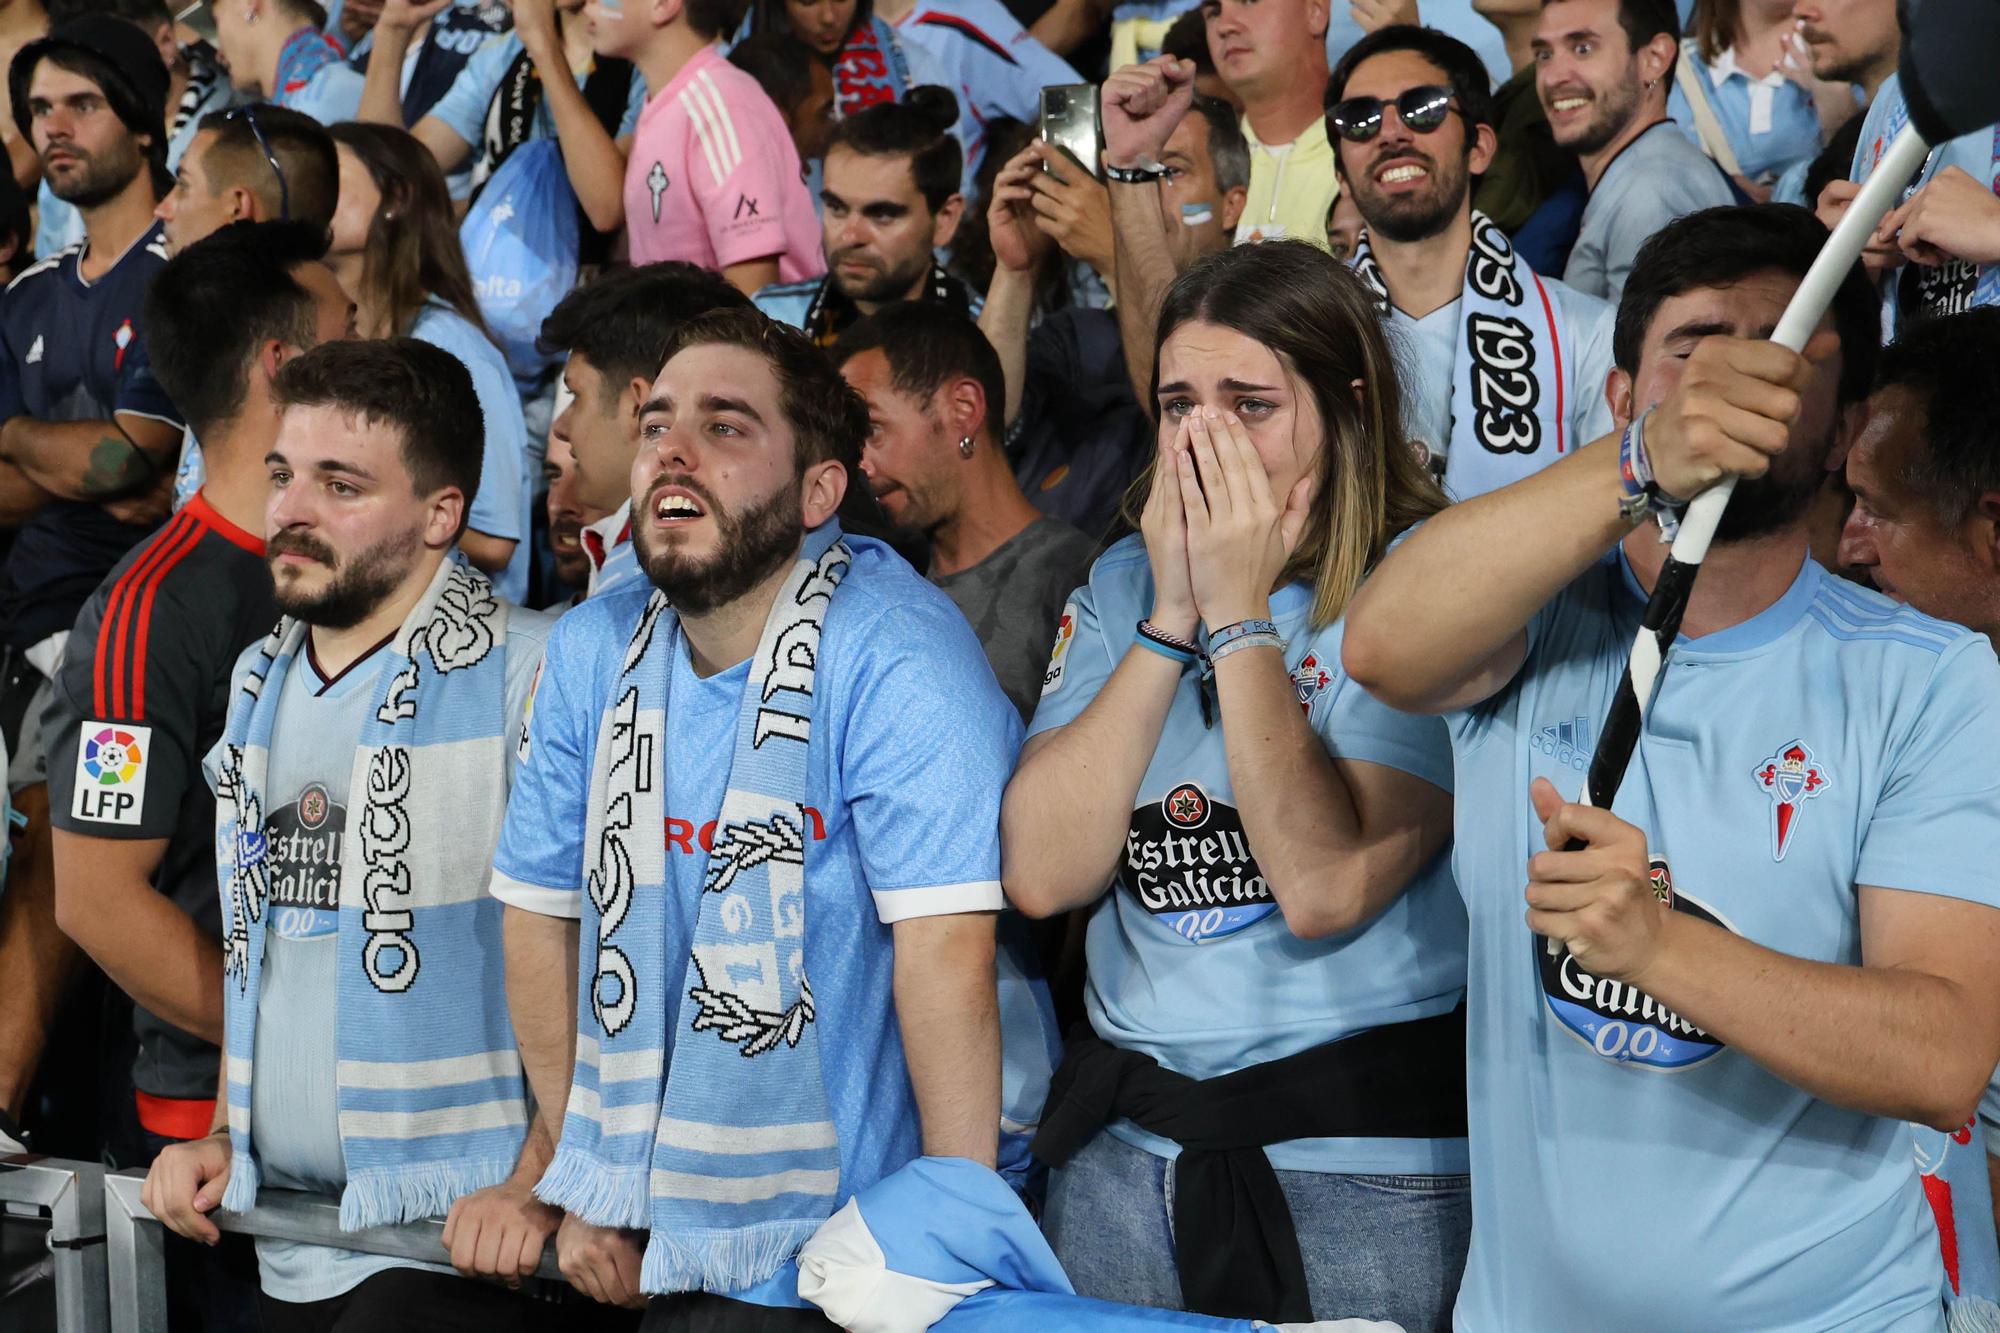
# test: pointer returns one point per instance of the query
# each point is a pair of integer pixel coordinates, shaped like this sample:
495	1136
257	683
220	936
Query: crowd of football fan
896	703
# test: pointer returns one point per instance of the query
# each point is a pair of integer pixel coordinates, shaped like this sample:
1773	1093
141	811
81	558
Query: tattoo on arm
116	466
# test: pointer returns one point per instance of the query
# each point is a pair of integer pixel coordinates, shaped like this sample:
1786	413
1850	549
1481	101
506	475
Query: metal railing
110	1251
72	1193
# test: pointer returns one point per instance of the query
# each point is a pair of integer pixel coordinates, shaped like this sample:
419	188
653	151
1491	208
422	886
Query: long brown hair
1716	27
1323	325
413	252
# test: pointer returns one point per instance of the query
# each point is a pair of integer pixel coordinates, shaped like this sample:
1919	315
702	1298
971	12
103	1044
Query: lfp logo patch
111	764
1059	655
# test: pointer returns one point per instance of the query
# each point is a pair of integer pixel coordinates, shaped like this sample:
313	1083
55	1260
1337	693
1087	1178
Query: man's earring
965	446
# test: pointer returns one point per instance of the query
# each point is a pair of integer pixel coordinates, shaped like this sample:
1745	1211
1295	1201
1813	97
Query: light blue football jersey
913	743
1188	958
1632	1171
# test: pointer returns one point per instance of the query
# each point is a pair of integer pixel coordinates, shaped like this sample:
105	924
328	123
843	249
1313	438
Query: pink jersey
714	178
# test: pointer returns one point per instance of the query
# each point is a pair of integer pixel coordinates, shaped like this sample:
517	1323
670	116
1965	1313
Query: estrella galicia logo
1621	1022
1566	742
1188	863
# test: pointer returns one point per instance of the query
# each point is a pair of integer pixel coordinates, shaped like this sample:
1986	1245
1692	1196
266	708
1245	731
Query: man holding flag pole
1775	944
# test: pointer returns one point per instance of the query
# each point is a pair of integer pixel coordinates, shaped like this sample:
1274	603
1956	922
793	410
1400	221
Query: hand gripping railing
137	1243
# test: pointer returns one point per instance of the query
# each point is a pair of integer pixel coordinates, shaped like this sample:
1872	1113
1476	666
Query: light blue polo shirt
1771	123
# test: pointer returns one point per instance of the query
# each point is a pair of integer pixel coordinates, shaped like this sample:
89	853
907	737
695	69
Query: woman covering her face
1276	949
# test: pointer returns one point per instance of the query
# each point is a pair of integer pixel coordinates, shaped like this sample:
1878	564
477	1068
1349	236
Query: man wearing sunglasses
1603	69
1507	367
252	163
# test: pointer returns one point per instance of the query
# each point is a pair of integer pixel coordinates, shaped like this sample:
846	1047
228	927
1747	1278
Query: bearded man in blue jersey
1699	1036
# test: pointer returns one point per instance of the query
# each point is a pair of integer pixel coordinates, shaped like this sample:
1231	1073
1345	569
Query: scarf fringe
388	1195
1970	1314
240	1195
602	1195
722	1259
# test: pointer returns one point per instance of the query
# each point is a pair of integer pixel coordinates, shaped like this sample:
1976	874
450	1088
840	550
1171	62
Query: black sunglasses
249	115
1423	109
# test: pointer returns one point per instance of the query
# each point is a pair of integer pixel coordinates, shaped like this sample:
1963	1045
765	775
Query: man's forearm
219	1120
1068	24
77	460
537	1150
488	553
150	948
20	498
1466	583
541	999
1886	1041
1145	269
596	168
381	91
949	1010
1010	301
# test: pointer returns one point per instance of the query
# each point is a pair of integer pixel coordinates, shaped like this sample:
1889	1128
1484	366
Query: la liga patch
112	759
1059	655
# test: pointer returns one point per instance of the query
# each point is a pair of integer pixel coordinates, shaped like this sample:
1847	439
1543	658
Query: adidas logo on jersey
1567	743
35	352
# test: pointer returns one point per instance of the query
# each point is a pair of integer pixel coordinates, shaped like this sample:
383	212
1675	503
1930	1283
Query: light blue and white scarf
1507	382
431	1096
729	1155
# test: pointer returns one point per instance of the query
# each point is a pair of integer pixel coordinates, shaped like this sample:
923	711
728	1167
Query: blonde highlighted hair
1322	323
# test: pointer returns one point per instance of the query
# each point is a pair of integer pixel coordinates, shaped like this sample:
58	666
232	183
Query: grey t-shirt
1658	177
1014	598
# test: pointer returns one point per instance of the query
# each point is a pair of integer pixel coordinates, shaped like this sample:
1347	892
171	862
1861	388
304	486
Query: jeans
1375	1247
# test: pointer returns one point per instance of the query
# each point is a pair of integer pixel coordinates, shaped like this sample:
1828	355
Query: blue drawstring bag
520	238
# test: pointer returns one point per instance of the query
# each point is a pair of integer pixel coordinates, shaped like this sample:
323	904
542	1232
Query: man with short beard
568	512
1603	72
1850	41
934	459
1272	56
146	678
87	436
360	783
613	332
805	961
1506	366
134	877
1708	1026
888	204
